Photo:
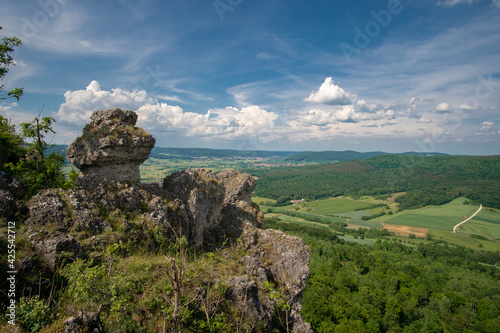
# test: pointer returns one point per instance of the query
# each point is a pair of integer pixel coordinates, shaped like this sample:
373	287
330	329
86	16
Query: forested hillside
342	156
391	287
426	180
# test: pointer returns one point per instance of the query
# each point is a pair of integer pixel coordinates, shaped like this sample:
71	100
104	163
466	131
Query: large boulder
217	206
56	247
85	213
110	150
89	322
47	207
203	197
8	206
244	293
284	260
238	208
12	185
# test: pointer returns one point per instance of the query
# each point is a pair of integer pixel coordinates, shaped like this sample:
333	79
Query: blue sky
270	75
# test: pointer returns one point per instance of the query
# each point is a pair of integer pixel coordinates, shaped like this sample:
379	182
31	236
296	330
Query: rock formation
208	209
11	190
53	247
111	149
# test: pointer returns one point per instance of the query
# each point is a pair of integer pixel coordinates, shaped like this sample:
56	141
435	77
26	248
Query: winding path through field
458	225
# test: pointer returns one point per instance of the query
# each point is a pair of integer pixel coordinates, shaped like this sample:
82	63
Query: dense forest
396	287
427	180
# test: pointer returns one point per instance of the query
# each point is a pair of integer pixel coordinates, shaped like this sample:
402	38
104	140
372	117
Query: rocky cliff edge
210	210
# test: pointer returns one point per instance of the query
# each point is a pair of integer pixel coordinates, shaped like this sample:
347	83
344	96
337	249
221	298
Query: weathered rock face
111	149
217	205
47	208
8	206
283	260
53	207
51	247
12	185
244	292
238	207
203	196
84	322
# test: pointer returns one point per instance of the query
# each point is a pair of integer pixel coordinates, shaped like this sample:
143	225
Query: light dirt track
458	225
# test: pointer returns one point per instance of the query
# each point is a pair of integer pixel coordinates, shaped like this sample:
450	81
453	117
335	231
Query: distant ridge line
295	156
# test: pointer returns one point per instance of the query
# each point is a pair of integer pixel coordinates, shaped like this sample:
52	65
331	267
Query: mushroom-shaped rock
111	149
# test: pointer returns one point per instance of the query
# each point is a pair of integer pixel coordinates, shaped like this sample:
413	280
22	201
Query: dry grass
403	230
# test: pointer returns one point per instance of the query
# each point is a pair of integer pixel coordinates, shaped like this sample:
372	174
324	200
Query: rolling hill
425	179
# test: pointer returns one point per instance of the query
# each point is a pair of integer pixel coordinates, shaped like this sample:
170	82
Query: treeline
342	156
426	179
391	287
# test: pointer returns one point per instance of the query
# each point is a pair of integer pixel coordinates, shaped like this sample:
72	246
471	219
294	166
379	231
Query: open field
404	230
443	217
154	169
465	240
358	240
486	223
355	224
332	206
435	221
261	201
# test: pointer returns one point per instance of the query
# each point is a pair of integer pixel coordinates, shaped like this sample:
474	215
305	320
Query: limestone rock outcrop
217	206
281	259
111	149
11	189
84	322
8	206
53	247
238	208
244	292
47	207
65	210
203	196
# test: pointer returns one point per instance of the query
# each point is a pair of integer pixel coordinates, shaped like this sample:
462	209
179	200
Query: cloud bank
331	113
162	118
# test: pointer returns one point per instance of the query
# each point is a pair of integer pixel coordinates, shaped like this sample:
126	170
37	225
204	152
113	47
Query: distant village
275	165
298	201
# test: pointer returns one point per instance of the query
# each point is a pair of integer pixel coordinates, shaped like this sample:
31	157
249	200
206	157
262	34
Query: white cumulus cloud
330	93
454	2
443	107
80	104
228	123
465	107
487	125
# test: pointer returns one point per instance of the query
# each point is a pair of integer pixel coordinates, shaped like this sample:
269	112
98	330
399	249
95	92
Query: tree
6	48
37	169
11	144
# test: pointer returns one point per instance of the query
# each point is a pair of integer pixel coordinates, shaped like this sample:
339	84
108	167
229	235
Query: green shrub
33	313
